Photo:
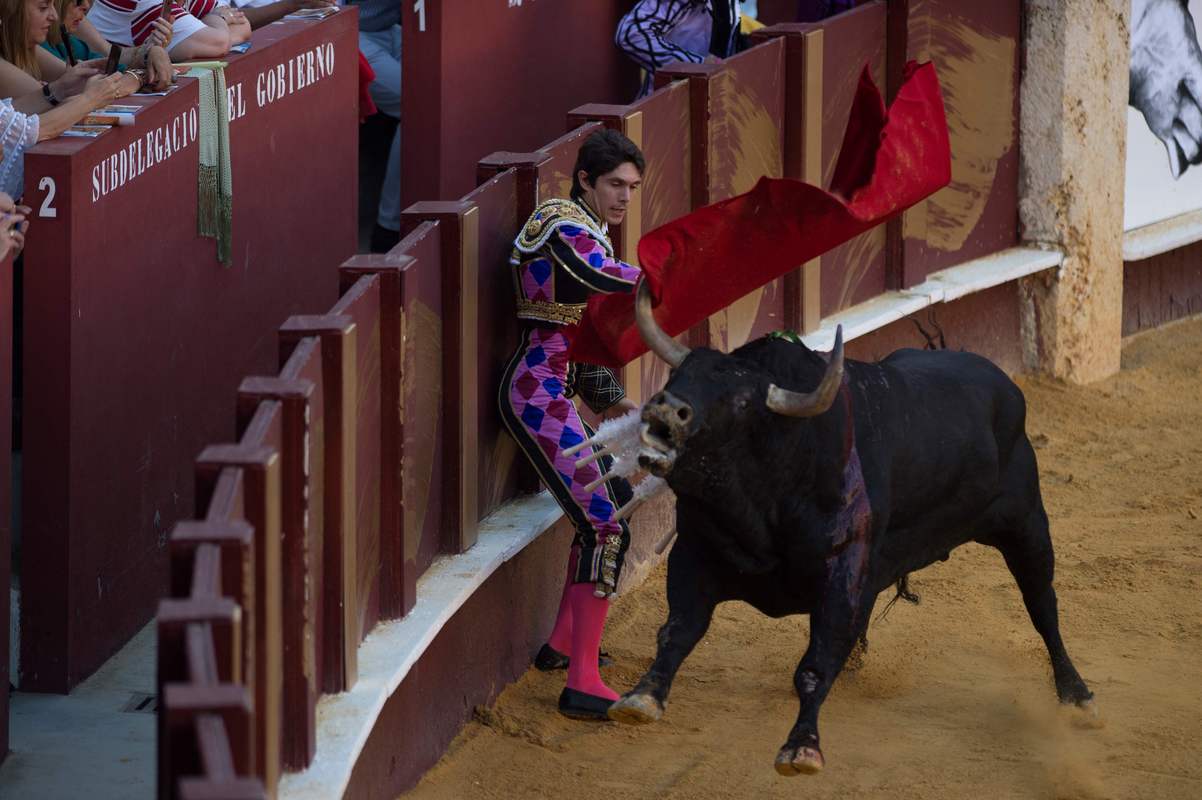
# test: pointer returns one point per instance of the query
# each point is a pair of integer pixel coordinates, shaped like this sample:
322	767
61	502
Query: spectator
380	43
65	41
34	111
656	33
265	12
12	227
24	25
200	28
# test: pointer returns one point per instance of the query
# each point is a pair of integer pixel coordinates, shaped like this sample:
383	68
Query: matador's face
613	192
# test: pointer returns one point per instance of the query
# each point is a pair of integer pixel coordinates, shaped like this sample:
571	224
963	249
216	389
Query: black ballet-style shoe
549	659
579	705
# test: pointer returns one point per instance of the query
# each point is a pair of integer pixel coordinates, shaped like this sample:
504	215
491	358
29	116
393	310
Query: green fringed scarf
215	192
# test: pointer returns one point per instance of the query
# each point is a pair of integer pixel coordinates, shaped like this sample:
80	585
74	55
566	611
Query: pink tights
578	631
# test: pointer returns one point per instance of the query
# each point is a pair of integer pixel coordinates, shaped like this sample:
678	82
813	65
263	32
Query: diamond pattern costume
561	257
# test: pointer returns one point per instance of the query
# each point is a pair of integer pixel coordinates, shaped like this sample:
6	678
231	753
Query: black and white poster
1164	118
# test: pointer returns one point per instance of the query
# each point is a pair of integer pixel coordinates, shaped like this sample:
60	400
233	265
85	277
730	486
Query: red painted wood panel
855	271
362	305
976	50
498	209
1162	289
136	337
422	386
6	371
746	140
489	76
555	177
305	364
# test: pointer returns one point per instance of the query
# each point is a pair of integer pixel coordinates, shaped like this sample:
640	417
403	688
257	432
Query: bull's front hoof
792	761
1085	714
636	709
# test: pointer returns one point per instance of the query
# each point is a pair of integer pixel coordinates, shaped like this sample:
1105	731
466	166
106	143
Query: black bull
812	501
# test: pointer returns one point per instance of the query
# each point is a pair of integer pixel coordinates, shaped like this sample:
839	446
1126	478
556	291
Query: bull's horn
811	404
653	335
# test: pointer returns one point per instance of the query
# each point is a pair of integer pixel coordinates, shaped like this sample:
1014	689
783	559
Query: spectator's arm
23	88
100	91
52	66
265	15
208	42
240	29
258	16
642	34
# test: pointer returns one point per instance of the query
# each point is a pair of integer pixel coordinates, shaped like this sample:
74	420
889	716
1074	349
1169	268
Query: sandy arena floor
955	699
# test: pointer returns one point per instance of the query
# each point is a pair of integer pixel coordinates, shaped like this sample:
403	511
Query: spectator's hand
104	89
159	72
161	33
236	17
12	226
1166	78
72	82
712	59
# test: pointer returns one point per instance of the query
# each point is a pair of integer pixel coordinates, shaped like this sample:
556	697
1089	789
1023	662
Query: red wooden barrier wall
6	371
479	77
136	336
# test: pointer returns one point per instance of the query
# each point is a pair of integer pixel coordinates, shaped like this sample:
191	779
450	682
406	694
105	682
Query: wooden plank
423	472
261	467
304	364
299	740
339	368
181	705
458	224
361	304
625	237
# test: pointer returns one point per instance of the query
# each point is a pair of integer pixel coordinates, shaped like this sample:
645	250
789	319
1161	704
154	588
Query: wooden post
698	77
626	236
299	740
803	154
340	614
525	167
261	479
458	224
398	577
897	21
182	703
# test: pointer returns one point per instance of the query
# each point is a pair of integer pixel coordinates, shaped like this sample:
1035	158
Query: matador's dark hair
604	151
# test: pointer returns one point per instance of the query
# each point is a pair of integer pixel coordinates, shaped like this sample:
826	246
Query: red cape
704	261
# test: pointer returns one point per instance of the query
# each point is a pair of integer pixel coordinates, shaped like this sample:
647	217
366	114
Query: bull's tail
934	338
903	593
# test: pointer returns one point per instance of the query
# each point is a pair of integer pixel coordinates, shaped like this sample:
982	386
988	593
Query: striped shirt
130	22
656	33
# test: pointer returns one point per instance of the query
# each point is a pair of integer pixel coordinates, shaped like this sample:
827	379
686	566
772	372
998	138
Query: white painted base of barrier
1161	237
939	287
345	721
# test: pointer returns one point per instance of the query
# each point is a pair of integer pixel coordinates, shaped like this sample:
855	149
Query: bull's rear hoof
1086	715
792	761
636	709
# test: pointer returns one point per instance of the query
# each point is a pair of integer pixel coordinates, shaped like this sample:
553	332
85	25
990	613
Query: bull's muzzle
666	423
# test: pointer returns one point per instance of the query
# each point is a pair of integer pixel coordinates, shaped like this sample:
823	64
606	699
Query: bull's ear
811	404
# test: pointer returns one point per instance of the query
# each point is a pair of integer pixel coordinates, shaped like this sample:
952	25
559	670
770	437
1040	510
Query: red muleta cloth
704	261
